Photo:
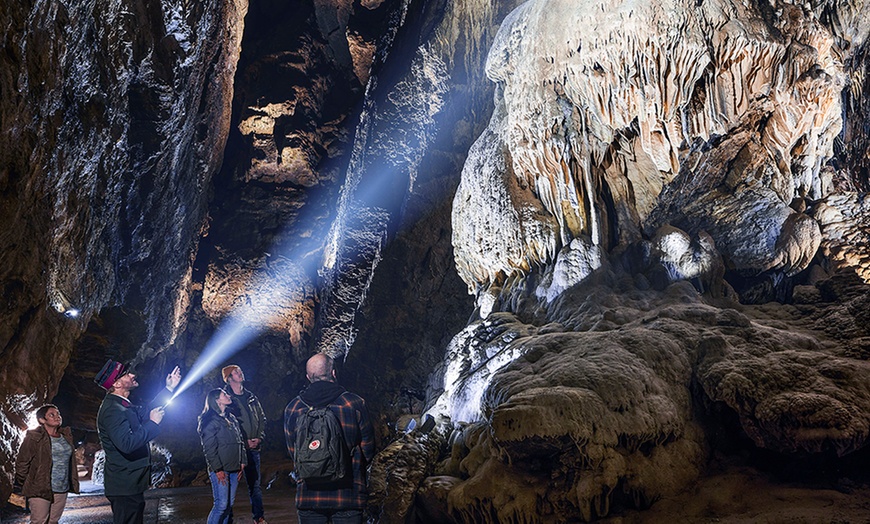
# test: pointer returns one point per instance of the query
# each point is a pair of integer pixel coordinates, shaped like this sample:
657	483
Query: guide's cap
112	371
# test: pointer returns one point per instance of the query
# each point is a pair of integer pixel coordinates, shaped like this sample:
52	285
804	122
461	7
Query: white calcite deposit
686	137
608	119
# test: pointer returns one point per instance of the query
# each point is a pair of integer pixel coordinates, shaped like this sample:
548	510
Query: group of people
231	428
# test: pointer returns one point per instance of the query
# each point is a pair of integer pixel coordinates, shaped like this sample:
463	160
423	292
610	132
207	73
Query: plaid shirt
359	435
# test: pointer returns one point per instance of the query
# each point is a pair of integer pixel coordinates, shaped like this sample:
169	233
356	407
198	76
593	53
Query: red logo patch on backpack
314	445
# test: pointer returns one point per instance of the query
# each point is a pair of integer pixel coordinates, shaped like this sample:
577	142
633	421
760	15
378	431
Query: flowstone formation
608	392
650	171
614	120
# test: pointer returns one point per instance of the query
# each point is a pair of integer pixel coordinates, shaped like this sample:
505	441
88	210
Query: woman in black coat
224	450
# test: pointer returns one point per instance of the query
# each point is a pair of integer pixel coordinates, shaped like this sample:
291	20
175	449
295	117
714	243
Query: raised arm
173	379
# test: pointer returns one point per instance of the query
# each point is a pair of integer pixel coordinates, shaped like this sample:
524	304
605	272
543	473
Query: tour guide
125	430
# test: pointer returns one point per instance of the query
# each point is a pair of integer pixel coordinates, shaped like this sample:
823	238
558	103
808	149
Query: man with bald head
344	501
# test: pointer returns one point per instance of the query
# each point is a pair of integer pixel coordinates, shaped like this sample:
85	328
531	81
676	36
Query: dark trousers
127	509
252	477
322	516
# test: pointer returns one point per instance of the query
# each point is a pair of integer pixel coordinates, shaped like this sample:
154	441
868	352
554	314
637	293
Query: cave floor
735	495
741	494
171	505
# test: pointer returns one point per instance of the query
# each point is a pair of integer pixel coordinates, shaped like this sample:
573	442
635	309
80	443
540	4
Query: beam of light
378	180
227	340
266	292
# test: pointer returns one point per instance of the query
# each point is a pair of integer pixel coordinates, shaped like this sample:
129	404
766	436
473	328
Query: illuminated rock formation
609	125
638	145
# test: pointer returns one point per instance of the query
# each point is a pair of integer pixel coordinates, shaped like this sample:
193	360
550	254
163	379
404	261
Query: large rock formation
633	146
608	127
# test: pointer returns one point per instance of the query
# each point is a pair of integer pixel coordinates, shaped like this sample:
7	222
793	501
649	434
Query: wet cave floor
169	506
734	493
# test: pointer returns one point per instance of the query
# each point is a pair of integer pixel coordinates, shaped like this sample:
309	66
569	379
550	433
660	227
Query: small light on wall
62	305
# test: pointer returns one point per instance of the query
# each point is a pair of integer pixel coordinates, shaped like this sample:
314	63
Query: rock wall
114	119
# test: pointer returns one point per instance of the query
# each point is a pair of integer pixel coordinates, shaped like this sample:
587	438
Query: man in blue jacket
125	431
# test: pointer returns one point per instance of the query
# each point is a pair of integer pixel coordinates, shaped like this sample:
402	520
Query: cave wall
114	119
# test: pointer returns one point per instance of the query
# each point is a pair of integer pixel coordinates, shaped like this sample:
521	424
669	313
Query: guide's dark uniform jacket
125	431
358	434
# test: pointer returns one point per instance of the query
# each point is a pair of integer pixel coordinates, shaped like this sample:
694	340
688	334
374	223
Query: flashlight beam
229	338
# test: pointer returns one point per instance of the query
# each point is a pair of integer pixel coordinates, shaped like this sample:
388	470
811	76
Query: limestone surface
612	120
607	404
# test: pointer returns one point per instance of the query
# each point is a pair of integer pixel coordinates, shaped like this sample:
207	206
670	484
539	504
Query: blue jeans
252	477
224	495
322	516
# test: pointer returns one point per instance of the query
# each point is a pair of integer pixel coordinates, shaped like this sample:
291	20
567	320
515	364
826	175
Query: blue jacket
125	431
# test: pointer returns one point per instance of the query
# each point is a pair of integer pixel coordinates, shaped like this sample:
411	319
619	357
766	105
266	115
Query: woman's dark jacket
222	442
33	465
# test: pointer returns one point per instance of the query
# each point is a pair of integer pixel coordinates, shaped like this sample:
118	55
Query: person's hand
222	477
253	443
173	379
156	415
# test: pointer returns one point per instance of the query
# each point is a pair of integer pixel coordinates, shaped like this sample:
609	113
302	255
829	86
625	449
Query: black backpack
322	456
